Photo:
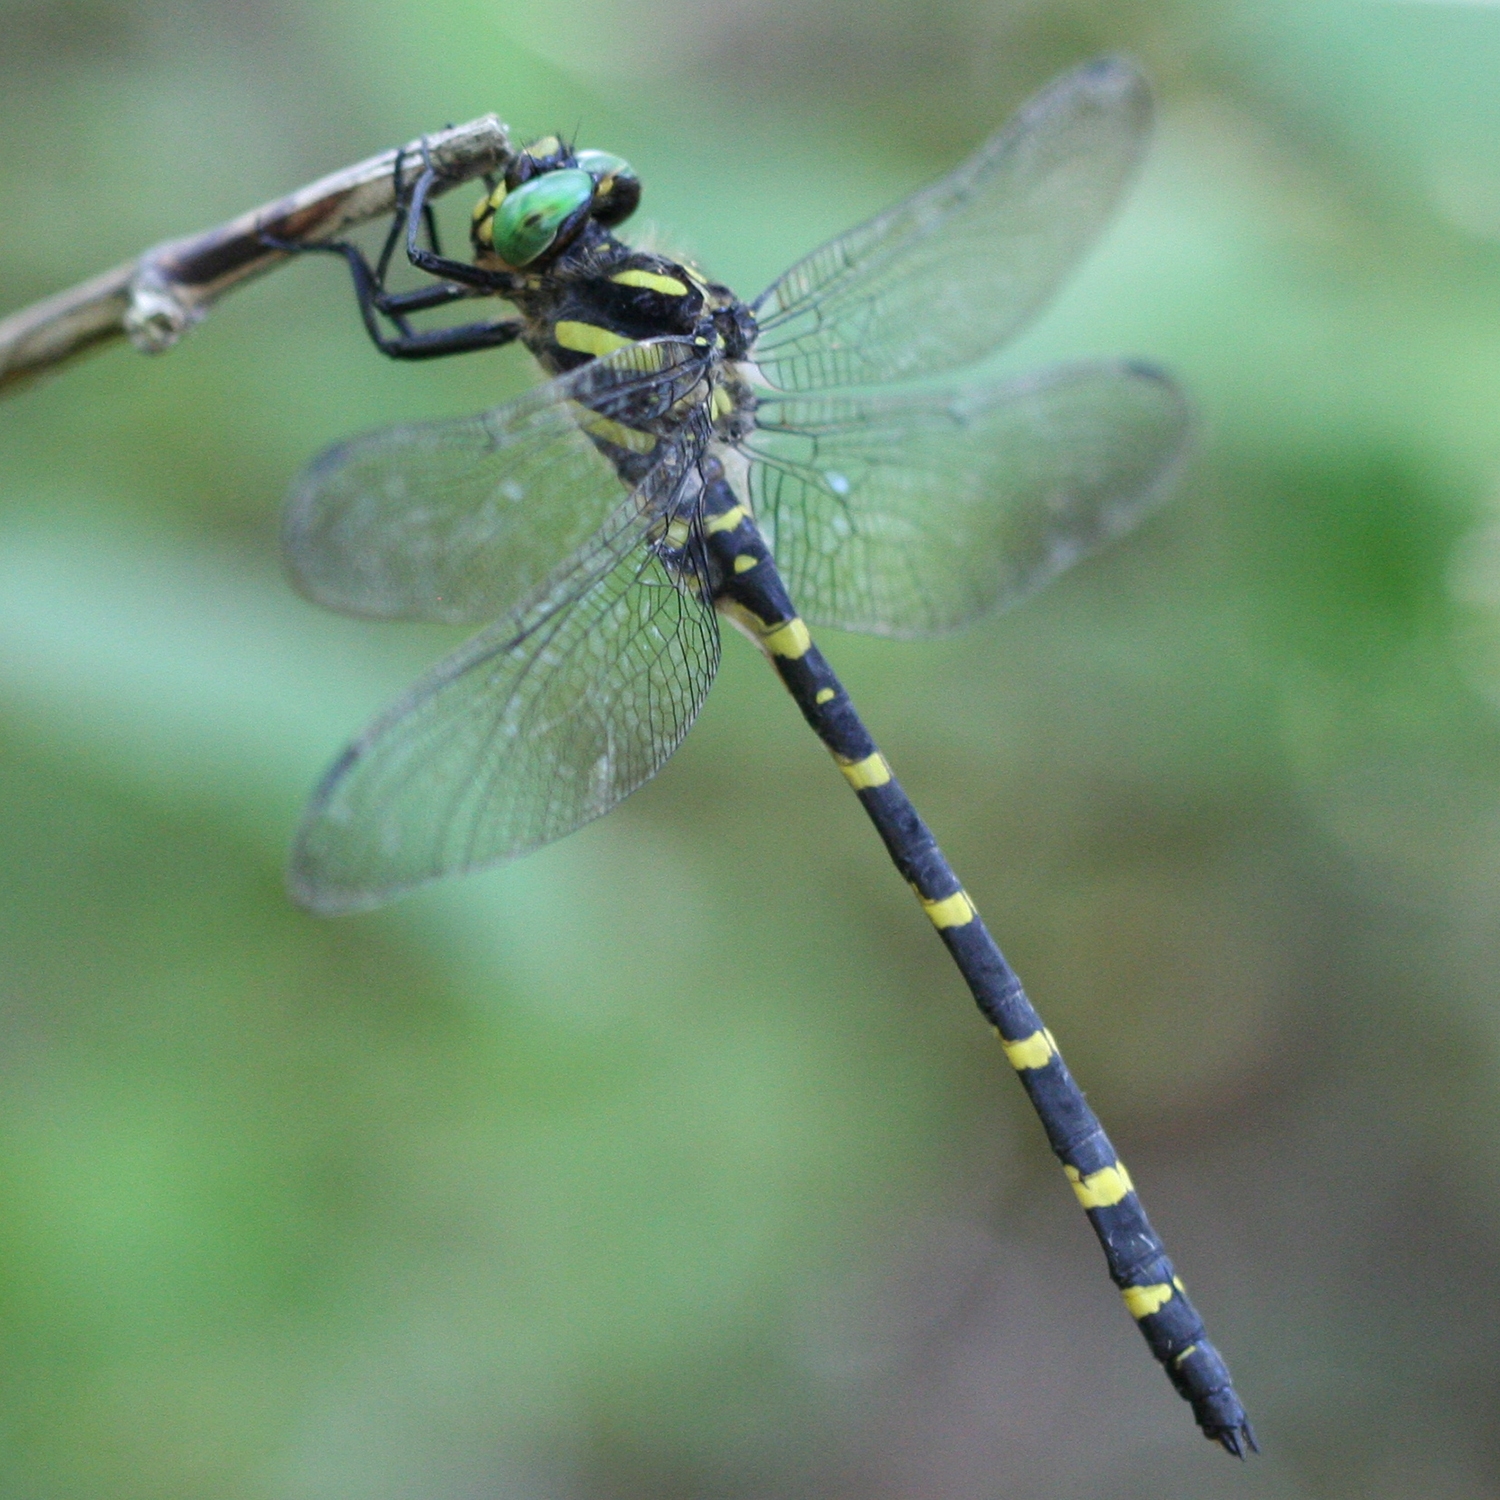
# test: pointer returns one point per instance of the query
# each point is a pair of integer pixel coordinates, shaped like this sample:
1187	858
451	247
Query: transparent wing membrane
457	521
908	514
949	274
535	727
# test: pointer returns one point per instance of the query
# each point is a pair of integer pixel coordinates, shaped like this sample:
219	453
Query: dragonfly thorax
603	294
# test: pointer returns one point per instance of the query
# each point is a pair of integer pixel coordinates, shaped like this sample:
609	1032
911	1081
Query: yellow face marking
952	911
651	281
825	695
790	640
1101	1189
483	229
744	562
1034	1051
726	522
871	771
585	338
614	432
489	201
1142	1301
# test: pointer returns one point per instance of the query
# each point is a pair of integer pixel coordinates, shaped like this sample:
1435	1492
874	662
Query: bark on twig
154	299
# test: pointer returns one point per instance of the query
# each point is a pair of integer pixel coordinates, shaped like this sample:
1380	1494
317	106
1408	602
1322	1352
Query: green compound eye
529	219
619	189
602	164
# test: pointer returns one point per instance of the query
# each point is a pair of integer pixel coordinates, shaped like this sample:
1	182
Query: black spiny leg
409	343
433	262
375	303
750	592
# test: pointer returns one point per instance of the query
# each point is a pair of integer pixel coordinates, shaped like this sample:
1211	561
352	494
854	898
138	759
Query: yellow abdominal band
1101	1189
1142	1301
790	639
726	521
952	911
1034	1051
871	771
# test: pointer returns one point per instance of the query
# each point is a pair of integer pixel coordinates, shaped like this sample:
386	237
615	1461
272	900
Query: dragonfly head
549	194
617	190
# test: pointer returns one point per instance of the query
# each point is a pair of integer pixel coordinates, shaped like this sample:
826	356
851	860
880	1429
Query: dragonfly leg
398	223
750	592
376	303
433	262
399	218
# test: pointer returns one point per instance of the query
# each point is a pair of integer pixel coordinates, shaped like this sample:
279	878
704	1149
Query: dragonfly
696	458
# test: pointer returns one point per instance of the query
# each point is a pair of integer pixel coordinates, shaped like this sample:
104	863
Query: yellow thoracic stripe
651	281
1101	1189
614	432
725	522
871	771
1142	1301
587	338
952	911
1034	1051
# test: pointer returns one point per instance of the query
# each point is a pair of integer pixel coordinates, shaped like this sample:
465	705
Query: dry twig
154	299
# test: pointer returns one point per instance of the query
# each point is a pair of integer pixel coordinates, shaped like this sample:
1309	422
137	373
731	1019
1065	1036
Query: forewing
940	280
457	521
910	514
533	728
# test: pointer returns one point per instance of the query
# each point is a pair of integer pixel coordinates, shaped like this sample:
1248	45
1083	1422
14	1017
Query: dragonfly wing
947	276
457	521
537	725
908	514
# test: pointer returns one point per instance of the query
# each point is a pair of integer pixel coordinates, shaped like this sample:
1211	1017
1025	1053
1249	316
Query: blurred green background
672	1161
